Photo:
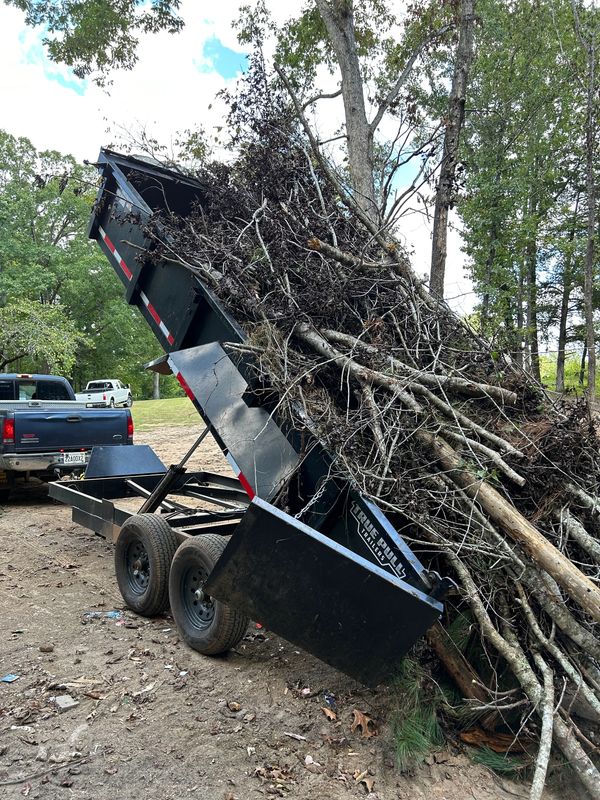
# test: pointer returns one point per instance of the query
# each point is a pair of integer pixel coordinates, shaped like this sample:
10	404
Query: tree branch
394	91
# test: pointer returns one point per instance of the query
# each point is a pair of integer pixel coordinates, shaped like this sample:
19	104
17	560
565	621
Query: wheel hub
199	606
138	567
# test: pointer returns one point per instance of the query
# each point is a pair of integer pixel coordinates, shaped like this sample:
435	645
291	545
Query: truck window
26	390
7	390
52	390
43	390
98	386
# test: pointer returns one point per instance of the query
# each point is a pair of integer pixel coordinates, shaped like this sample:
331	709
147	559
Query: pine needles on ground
414	724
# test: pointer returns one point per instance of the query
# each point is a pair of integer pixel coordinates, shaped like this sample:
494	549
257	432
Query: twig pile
475	464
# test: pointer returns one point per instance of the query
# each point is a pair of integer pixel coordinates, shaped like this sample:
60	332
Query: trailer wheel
206	624
143	555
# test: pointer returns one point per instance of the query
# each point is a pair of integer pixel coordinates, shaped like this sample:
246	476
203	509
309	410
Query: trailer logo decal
376	543
120	261
156	317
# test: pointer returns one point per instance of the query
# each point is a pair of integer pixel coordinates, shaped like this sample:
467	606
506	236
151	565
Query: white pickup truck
106	393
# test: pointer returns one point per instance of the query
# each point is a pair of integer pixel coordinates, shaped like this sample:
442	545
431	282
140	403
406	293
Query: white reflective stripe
233	464
164	328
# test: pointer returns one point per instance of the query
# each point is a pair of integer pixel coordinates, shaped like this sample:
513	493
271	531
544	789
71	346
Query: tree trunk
485	303
532	323
338	16
519	353
590	188
562	333
456	115
582	365
564	307
155	386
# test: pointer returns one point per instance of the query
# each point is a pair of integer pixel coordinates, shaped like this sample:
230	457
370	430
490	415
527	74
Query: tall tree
360	43
456	113
589	44
520	160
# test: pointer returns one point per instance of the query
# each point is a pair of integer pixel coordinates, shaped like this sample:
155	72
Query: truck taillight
8	431
104	396
129	426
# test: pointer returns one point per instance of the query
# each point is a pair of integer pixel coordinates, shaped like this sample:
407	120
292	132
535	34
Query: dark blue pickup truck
45	431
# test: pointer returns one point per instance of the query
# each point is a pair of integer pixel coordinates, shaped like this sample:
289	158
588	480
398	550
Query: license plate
74	458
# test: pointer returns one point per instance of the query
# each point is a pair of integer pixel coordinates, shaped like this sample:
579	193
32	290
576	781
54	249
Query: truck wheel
4	495
206	624
129	402
143	554
112	402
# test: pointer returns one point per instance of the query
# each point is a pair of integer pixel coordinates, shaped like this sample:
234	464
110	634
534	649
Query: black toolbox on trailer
305	553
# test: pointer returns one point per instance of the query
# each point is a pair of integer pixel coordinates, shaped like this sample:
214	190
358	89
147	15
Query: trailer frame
289	506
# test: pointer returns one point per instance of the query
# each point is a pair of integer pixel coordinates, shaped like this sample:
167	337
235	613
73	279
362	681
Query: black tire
4	495
112	402
143	555
206	624
129	401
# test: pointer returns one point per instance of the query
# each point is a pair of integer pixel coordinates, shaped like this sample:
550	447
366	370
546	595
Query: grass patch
149	414
572	369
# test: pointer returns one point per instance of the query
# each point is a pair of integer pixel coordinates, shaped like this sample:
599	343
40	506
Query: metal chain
319	493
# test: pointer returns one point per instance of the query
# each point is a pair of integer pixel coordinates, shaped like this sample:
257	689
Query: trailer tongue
292	543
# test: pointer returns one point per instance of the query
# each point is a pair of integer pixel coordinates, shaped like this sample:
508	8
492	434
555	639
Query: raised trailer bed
300	549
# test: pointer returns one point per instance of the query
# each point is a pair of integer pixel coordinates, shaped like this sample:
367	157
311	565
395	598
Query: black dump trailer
287	541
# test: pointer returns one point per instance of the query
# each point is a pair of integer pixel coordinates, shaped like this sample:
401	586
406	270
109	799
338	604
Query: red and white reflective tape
120	261
184	386
155	316
241	477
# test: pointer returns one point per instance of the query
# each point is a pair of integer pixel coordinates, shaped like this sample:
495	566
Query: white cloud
165	94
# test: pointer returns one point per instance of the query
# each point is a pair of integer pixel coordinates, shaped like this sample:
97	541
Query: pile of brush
499	483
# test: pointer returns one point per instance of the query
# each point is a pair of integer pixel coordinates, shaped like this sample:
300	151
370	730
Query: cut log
573	581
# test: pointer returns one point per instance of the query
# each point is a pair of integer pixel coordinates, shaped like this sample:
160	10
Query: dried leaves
364	723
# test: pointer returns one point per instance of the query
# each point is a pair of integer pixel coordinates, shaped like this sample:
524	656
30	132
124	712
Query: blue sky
214	57
226	62
34	53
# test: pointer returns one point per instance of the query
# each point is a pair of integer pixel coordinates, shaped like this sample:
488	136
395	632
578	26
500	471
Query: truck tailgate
44	430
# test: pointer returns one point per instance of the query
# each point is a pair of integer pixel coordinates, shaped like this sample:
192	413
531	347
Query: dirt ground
155	719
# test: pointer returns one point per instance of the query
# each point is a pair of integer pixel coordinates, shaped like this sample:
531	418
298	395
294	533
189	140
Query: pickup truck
45	431
106	393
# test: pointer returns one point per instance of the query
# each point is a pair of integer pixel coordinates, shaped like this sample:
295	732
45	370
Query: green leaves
61	304
42	334
96	36
522	155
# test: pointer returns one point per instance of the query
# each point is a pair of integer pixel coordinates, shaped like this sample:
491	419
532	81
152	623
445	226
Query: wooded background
487	109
